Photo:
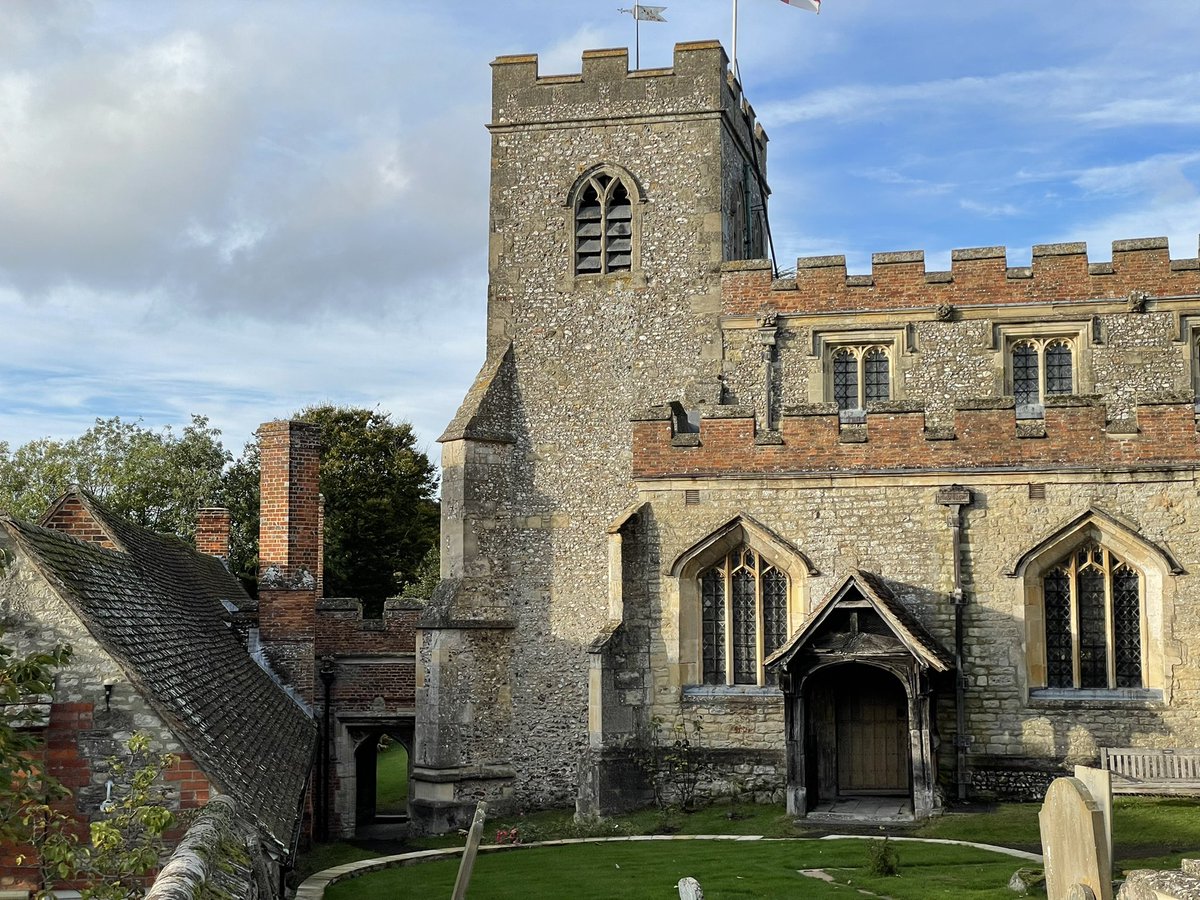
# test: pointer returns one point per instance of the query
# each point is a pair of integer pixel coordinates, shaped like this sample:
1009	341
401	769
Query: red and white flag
810	5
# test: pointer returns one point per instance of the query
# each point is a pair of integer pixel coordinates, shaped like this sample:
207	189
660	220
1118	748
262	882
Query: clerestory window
603	227
1093	618
861	375
1040	368
744	617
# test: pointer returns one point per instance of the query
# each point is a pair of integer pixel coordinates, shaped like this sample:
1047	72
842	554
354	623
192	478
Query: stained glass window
603	227
751	595
1093	618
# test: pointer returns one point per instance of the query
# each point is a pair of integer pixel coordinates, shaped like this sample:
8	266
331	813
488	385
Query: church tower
616	197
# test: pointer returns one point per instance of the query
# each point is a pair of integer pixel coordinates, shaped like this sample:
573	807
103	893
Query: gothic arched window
744	617
603	226
1093	617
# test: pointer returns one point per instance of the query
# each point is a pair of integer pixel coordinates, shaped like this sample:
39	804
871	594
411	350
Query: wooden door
872	734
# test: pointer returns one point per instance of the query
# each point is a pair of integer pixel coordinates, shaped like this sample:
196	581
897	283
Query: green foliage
24	788
122	846
426	576
380	515
158	479
381	518
882	859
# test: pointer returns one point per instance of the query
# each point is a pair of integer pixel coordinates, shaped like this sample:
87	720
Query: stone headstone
689	889
1099	785
1074	847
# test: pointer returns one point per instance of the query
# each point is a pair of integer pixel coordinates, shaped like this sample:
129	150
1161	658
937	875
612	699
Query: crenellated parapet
699	81
978	276
342	629
1074	435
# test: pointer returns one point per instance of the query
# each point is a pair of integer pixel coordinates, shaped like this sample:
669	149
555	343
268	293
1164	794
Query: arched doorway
858	733
383	766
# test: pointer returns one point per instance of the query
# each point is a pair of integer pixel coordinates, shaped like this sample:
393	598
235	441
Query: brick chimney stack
289	551
212	532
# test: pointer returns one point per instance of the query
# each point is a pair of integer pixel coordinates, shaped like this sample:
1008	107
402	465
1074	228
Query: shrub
882	858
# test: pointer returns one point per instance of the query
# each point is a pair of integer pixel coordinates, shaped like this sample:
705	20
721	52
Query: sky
238	209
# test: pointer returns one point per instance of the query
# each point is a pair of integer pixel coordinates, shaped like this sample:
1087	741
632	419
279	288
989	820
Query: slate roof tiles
157	608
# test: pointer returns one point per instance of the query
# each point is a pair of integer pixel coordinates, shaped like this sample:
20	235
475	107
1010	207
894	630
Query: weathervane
641	14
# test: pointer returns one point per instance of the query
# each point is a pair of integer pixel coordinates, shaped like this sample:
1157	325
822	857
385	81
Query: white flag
647	13
810	5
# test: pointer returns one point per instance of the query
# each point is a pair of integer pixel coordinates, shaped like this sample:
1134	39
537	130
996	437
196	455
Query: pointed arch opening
741	591
1093	593
605	203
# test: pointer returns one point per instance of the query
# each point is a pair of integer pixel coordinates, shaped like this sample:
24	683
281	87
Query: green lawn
391	785
765	869
1148	832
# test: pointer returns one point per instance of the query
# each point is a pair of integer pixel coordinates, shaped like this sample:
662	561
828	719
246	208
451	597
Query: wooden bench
1138	771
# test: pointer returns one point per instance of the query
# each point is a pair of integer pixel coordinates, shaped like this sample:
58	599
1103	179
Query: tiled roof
157	608
905	626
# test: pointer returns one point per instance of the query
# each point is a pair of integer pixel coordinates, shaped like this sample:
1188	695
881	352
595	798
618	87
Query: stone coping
313	887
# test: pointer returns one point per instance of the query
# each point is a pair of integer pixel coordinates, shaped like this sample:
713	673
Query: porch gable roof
907	629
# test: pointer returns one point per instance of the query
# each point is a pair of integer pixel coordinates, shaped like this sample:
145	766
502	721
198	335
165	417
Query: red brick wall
212	532
63	760
1059	272
73	518
345	632
986	438
290	479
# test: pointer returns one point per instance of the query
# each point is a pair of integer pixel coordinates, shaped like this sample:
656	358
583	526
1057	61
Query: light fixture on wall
108	692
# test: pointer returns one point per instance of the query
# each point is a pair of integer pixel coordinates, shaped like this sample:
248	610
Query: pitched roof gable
156	607
906	628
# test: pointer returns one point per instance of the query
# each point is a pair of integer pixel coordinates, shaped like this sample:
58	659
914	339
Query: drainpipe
327	676
955	498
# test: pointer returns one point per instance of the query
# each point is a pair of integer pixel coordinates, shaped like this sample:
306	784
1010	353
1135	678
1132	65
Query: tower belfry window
603	227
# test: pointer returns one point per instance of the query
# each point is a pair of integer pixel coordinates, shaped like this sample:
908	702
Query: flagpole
733	47
637	37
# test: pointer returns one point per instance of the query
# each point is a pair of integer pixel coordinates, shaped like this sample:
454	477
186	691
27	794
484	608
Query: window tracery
744	617
603	226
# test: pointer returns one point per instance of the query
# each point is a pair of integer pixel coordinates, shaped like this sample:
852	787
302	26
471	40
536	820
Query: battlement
341	627
699	81
978	276
1074	435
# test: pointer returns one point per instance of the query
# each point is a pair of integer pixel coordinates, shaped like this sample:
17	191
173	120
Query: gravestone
1099	785
1074	847
689	889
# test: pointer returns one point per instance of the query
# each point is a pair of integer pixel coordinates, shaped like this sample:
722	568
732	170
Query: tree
381	518
157	479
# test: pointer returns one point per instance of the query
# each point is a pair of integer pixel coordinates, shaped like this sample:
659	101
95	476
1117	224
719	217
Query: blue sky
239	209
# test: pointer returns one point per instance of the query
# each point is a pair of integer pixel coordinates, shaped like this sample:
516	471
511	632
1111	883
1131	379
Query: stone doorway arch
366	740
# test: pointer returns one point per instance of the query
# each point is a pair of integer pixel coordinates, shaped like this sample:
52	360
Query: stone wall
84	728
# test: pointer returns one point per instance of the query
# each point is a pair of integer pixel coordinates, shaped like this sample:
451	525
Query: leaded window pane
876	374
712	592
1058	368
745	628
1025	375
1057	595
845	379
774	590
1093	640
1127	627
